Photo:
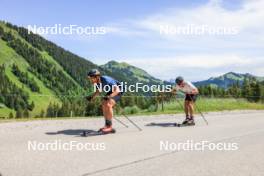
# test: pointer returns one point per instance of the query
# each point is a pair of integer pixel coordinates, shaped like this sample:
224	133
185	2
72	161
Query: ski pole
132	122
120	122
200	112
202	115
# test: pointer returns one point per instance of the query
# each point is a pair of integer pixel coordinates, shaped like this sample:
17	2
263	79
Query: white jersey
187	87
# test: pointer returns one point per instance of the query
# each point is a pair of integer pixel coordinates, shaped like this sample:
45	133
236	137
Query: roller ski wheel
184	124
97	133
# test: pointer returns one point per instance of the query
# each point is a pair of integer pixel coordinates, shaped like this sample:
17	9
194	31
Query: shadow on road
71	132
161	124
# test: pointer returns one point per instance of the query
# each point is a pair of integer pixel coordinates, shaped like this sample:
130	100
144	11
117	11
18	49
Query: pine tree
26	113
11	116
42	113
257	92
31	106
19	113
246	89
1	31
49	112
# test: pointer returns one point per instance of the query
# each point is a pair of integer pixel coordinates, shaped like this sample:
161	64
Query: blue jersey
108	82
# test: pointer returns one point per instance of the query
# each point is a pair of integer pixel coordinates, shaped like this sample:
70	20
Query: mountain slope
227	80
131	73
41	99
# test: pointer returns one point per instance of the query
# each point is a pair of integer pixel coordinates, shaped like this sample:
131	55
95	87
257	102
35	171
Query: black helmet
179	80
93	72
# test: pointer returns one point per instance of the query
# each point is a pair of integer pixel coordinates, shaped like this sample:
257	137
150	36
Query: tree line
25	79
250	89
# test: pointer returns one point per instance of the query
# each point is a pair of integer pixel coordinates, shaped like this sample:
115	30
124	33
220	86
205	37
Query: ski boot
107	130
187	122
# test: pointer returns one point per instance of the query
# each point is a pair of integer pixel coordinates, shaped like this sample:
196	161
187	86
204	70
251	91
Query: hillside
39	69
9	57
226	80
74	65
132	73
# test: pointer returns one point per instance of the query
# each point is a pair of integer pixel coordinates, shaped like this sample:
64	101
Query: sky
142	33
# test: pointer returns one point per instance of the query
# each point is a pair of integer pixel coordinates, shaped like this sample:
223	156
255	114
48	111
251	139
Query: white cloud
250	15
194	61
196	67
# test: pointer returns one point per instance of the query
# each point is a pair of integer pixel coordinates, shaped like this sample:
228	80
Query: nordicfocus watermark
138	87
190	145
67	30
192	29
58	145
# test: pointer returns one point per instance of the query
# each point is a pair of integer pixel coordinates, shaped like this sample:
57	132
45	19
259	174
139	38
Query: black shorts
190	97
116	98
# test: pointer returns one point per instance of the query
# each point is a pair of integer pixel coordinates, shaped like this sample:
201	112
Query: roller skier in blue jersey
113	94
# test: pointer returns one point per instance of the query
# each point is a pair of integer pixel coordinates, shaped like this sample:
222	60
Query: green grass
214	104
9	56
4	112
174	107
206	105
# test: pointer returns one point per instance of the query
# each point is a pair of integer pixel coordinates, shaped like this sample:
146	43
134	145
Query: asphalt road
154	151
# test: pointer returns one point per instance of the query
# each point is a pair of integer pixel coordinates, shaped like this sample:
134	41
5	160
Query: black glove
89	98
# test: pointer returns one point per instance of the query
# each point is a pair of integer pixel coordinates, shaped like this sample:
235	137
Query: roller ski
101	131
186	122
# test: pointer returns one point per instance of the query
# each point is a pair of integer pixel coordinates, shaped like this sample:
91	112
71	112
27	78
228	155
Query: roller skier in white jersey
191	93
